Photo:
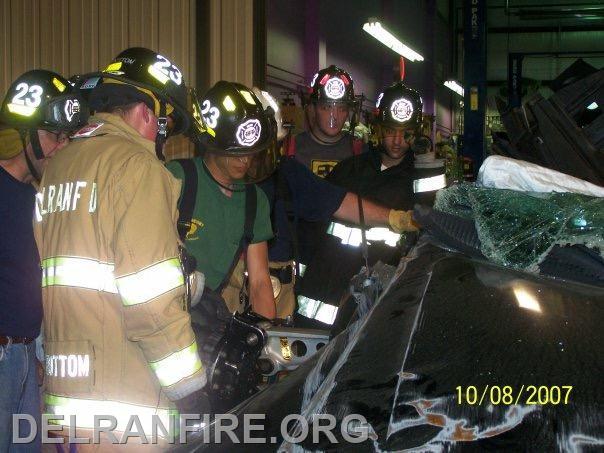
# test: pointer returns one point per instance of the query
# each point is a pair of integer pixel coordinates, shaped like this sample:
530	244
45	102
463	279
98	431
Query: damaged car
487	335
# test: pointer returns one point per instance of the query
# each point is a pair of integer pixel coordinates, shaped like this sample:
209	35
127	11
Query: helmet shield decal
249	132
335	88
72	108
66	113
401	110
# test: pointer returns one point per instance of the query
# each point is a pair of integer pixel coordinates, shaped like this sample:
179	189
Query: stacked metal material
564	132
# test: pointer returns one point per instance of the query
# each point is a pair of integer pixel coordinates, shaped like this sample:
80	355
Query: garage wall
77	36
339	39
332	33
543	67
231	41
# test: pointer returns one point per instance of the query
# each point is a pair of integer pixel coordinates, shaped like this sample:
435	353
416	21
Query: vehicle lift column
475	75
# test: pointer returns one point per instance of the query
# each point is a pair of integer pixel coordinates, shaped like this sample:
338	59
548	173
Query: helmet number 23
30	95
210	114
164	66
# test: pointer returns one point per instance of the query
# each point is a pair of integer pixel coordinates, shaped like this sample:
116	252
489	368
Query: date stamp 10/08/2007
507	395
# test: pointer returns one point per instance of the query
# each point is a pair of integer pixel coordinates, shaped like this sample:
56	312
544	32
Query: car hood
445	323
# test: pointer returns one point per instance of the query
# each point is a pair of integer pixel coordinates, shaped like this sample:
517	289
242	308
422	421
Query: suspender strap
187	200
248	231
285	194
250	213
357	146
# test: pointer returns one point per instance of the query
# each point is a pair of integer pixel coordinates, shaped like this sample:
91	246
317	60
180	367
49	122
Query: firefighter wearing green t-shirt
230	216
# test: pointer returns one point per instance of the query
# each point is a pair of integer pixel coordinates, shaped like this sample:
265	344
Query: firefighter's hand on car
402	221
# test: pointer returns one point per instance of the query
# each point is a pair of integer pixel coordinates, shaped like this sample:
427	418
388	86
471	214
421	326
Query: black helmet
41	99
159	83
235	121
138	74
332	85
400	107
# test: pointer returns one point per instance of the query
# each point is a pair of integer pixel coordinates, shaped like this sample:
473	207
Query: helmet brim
329	101
264	161
398	126
180	115
208	146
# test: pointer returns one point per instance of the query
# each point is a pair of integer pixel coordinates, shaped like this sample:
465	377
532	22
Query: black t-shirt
20	273
362	174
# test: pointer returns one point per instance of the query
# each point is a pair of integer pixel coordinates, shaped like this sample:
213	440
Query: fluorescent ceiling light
592	106
376	30
453	85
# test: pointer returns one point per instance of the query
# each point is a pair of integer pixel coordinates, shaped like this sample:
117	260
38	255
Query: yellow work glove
401	221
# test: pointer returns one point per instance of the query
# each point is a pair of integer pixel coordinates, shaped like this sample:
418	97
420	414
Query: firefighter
384	173
38	112
332	104
226	214
118	339
294	194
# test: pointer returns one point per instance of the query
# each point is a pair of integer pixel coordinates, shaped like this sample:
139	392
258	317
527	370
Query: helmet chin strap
34	139
37	148
162	132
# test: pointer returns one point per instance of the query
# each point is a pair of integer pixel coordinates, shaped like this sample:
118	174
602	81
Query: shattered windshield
518	229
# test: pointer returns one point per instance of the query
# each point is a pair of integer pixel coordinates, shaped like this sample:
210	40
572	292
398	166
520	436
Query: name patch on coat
72	365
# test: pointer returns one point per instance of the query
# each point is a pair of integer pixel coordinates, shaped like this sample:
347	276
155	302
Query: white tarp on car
506	173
